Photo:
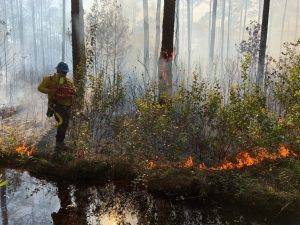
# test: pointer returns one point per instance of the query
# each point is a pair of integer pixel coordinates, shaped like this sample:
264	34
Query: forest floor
271	188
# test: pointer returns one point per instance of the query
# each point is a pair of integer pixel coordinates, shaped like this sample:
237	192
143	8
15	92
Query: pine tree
263	43
78	44
167	48
146	36
157	37
213	32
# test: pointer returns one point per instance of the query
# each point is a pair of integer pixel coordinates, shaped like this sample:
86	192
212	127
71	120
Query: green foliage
286	80
247	122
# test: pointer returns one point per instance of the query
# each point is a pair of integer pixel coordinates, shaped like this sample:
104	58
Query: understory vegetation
197	120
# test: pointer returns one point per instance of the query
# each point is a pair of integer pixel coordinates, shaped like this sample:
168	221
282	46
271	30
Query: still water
30	201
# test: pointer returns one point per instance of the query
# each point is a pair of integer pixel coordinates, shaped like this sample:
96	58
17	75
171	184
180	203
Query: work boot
49	113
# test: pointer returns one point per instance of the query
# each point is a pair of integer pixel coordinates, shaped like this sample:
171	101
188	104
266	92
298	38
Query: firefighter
61	92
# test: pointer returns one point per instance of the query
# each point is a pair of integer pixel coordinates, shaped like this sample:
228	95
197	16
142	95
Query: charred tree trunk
146	36
78	44
263	43
157	37
166	55
213	33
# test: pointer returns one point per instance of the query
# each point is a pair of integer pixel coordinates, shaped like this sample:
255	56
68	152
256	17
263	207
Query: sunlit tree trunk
78	44
166	55
34	36
157	37
146	36
222	39
189	21
213	32
263	43
63	57
229	29
283	24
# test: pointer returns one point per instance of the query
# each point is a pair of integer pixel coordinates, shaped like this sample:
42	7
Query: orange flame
189	163
23	150
243	159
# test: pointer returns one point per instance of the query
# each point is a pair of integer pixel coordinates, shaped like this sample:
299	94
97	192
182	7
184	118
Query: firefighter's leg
62	128
50	110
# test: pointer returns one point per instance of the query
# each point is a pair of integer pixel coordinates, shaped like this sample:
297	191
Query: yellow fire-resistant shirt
52	82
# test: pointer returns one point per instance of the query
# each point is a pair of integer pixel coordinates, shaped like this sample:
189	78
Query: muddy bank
35	201
271	189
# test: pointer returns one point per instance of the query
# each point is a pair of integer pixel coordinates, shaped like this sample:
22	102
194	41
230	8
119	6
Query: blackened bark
167	48
263	43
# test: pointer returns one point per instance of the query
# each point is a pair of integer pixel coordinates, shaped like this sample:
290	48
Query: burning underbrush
242	159
26	150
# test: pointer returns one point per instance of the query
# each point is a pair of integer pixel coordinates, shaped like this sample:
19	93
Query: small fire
24	150
189	163
243	159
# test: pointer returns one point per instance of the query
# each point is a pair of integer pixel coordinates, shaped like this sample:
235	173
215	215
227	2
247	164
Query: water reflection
28	200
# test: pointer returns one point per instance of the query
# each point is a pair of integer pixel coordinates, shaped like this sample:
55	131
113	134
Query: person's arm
44	87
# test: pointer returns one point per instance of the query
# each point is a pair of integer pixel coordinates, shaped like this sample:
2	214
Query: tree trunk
282	25
146	37
213	32
3	198
245	20
34	36
166	55
229	29
157	37
263	43
42	37
21	35
189	21
297	20
259	11
5	48
177	38
222	39
78	44
63	56
209	26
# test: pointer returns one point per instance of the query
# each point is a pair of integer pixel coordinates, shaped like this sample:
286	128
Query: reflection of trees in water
4	212
68	213
107	205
